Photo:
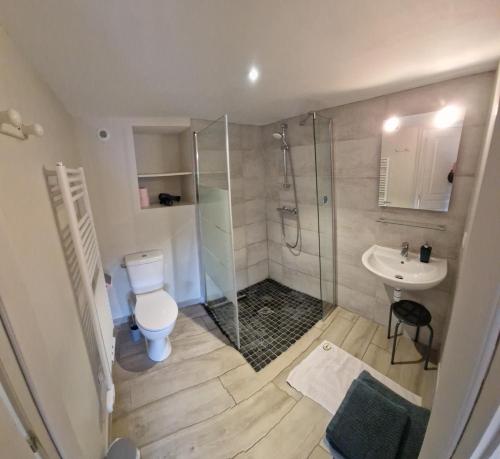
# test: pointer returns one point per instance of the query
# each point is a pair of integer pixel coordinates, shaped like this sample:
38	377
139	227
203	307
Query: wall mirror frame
418	159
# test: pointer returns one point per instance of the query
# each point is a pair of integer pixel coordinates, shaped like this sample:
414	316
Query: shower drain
265	311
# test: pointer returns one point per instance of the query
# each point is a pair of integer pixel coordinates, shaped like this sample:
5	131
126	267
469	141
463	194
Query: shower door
213	186
326	226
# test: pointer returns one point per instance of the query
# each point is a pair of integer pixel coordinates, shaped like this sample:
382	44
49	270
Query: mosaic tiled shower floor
271	317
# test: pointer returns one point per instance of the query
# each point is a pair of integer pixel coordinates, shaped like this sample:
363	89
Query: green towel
413	436
367	425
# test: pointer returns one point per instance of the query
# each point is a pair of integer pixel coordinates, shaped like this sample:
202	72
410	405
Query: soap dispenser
425	253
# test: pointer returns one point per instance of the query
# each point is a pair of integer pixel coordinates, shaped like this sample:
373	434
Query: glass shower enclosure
265	318
213	188
323	152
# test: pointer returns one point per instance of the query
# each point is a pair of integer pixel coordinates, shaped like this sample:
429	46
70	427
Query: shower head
277	135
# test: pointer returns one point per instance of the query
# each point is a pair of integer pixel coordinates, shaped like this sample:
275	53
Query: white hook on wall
11	124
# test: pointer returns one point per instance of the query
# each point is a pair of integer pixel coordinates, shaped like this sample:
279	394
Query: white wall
122	227
36	292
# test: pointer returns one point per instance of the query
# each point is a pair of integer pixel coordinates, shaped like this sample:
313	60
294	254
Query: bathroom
210	310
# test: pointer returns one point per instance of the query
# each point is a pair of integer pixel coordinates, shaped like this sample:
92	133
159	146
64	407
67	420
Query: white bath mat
328	371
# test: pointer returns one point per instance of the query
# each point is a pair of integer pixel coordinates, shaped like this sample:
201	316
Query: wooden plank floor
205	401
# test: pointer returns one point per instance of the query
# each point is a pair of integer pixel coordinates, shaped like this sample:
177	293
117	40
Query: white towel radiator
84	264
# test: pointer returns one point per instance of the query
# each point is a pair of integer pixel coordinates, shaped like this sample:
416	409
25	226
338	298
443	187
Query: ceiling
191	57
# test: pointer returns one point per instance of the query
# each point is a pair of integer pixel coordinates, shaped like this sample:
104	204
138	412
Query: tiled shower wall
299	271
248	196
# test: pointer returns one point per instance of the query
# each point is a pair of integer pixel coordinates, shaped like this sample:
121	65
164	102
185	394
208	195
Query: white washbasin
398	272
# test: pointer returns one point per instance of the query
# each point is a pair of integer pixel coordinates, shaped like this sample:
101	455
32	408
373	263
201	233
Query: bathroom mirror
418	159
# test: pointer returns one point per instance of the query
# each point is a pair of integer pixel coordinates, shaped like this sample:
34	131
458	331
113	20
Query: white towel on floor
326	374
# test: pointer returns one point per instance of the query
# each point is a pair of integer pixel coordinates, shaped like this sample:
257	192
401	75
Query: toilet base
158	349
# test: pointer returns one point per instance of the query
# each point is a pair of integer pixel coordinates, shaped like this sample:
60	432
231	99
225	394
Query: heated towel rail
81	250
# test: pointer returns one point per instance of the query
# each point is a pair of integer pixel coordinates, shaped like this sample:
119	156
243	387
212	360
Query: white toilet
155	310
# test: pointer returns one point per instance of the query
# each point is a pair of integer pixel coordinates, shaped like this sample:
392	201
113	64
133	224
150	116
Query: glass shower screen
325	207
213	186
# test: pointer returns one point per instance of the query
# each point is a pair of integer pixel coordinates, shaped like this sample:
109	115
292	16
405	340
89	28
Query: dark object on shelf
425	253
414	314
168	199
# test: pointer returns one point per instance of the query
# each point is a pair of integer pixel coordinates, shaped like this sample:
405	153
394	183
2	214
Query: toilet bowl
155	310
155	315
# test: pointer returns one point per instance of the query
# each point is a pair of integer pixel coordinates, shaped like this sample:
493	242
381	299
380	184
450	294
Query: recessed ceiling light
253	74
447	116
391	124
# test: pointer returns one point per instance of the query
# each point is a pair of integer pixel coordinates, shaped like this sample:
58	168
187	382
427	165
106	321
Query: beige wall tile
242	279
355	300
276	271
257	253
356	193
240	258
258	272
357	158
255	211
254	187
255	232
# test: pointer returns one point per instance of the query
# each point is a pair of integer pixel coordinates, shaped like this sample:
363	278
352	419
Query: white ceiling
191	57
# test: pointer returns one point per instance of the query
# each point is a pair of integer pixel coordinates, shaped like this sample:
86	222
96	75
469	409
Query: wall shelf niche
164	160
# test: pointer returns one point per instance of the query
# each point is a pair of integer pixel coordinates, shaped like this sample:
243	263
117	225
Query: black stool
411	313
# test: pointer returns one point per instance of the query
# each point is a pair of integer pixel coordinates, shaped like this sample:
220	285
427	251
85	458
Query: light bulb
253	74
447	116
391	124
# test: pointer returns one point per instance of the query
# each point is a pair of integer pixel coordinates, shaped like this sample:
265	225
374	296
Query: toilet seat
155	310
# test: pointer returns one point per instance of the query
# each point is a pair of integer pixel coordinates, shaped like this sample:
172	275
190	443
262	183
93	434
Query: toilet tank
145	271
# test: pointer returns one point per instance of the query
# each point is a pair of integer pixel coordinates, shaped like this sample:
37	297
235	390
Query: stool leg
416	335
390	323
395	337
431	335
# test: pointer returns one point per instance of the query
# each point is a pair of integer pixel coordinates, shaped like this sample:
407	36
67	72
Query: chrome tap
405	247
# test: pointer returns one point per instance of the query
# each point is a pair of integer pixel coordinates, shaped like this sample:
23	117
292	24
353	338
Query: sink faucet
404	249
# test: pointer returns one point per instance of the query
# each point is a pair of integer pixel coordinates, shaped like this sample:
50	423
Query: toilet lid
156	310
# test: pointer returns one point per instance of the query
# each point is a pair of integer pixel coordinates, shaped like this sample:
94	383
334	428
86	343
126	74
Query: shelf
163	174
161	206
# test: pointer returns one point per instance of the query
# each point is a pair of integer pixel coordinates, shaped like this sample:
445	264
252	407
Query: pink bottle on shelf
143	197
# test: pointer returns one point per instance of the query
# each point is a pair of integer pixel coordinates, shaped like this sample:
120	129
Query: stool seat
412	313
